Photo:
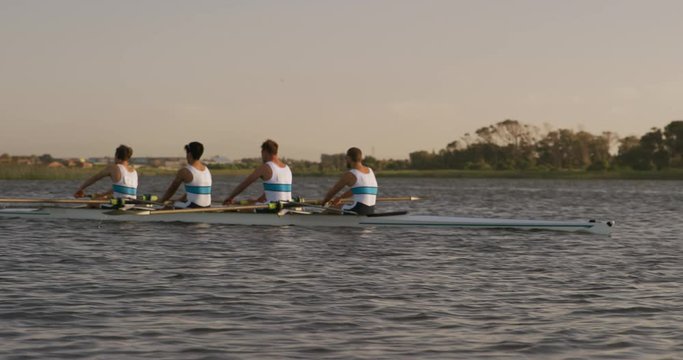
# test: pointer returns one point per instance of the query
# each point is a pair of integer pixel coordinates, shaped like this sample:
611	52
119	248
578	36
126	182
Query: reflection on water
133	290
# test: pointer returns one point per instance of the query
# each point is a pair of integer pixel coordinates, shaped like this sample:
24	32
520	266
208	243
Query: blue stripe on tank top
125	190
364	190
200	190
277	187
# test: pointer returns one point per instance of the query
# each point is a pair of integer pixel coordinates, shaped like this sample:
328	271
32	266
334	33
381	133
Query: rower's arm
181	177
347	194
245	184
347	179
93	179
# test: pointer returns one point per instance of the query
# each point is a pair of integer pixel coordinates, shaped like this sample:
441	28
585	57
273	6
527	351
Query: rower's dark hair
123	153
196	149
270	147
355	154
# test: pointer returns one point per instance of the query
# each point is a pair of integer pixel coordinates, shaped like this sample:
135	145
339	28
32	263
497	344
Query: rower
276	176
121	173
361	180
196	177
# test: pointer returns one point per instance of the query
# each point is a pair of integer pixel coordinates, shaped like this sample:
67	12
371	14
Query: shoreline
44	173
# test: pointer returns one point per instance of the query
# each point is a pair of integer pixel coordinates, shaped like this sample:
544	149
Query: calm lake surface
113	290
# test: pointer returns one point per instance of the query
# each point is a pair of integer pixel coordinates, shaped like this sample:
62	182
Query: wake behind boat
296	217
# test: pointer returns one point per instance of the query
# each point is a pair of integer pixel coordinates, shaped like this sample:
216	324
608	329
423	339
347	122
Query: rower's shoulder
278	163
184	172
349	177
265	171
199	166
112	168
363	170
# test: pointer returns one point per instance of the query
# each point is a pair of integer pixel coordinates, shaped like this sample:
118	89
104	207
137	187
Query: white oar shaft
52	201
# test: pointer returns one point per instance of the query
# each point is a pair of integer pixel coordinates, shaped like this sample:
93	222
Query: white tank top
365	189
199	189
127	186
279	186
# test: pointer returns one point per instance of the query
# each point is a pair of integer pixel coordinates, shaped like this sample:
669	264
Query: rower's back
365	189
199	189
126	185
279	186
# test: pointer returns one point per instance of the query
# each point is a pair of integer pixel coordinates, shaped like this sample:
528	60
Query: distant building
159	162
55	164
218	160
101	160
142	161
173	164
25	160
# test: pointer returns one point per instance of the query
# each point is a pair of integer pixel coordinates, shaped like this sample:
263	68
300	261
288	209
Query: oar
53	201
350	200
77	201
271	206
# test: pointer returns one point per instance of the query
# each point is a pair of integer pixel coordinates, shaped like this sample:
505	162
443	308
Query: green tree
649	153
334	162
673	134
425	160
45	158
372	162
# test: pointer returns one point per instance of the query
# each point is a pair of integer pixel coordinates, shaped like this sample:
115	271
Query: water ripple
124	290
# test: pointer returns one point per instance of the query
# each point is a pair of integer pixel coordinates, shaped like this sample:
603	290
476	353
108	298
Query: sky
78	78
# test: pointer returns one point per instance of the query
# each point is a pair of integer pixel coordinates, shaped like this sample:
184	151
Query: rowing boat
303	218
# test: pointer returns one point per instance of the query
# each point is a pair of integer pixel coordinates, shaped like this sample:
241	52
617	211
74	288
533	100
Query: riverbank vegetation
25	172
508	149
511	145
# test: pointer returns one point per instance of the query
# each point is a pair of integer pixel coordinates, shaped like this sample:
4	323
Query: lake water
113	290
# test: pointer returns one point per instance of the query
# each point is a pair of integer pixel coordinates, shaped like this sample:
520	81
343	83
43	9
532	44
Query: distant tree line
507	145
7	159
511	145
328	163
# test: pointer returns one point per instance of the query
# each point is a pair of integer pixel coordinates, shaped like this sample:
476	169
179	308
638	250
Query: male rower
121	173
196	177
361	180
276	176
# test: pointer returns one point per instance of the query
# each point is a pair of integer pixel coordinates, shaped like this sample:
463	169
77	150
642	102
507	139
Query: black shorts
195	206
185	205
361	209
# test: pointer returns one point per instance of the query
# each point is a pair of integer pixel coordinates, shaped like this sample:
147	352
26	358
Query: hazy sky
79	77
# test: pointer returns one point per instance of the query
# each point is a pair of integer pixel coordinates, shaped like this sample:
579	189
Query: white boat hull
233	218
